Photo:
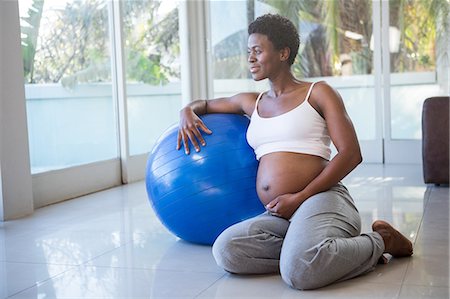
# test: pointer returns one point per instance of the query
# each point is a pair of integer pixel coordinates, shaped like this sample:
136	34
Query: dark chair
435	140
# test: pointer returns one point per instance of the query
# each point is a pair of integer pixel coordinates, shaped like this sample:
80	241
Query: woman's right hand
189	130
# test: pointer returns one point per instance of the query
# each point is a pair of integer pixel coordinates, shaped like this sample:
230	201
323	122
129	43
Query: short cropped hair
279	30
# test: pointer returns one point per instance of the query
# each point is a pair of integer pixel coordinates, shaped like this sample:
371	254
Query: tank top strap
259	97
309	91
257	101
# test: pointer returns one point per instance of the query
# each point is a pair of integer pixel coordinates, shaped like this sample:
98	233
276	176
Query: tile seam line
208	287
71	268
41	282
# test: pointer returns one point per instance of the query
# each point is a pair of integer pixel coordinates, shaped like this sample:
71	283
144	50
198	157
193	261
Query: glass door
71	113
415	67
151	57
65	47
102	81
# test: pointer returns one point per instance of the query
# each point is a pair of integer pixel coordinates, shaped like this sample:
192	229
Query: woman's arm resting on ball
191	124
330	105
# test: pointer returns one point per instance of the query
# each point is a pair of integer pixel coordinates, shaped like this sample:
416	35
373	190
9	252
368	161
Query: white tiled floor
111	244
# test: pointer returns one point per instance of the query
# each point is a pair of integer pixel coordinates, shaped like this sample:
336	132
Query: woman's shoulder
322	91
246	100
249	96
245	97
324	96
313	86
321	85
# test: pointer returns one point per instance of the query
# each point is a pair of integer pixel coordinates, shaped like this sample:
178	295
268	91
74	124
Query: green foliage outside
425	30
423	26
70	43
336	36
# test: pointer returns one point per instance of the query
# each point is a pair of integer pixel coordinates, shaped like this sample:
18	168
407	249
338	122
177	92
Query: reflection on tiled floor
110	244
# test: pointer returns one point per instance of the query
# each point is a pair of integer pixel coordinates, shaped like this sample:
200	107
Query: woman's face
263	58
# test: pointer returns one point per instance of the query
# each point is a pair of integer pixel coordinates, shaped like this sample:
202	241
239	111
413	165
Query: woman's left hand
284	205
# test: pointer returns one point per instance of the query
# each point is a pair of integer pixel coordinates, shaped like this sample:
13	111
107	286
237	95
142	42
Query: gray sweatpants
319	245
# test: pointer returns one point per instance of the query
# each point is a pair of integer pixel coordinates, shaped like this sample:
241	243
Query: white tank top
300	130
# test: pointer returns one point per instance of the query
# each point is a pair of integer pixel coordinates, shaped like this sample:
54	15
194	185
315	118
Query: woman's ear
284	54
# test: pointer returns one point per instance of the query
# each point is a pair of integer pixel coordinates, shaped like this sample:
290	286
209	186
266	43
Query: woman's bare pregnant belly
282	172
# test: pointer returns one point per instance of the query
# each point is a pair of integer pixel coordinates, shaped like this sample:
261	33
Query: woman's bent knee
224	253
304	271
301	278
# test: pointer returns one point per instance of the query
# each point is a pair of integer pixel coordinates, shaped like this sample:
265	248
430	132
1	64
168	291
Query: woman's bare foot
395	243
383	260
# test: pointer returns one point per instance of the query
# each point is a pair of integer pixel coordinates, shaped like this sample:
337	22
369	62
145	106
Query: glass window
67	67
152	53
418	36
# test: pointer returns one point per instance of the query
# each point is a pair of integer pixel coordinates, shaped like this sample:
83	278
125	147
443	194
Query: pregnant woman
311	232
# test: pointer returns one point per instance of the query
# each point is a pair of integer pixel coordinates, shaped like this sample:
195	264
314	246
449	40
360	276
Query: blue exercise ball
197	196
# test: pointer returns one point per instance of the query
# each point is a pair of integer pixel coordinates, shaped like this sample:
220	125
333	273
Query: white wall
15	187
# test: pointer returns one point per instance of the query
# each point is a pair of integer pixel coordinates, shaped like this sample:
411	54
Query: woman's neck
284	83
